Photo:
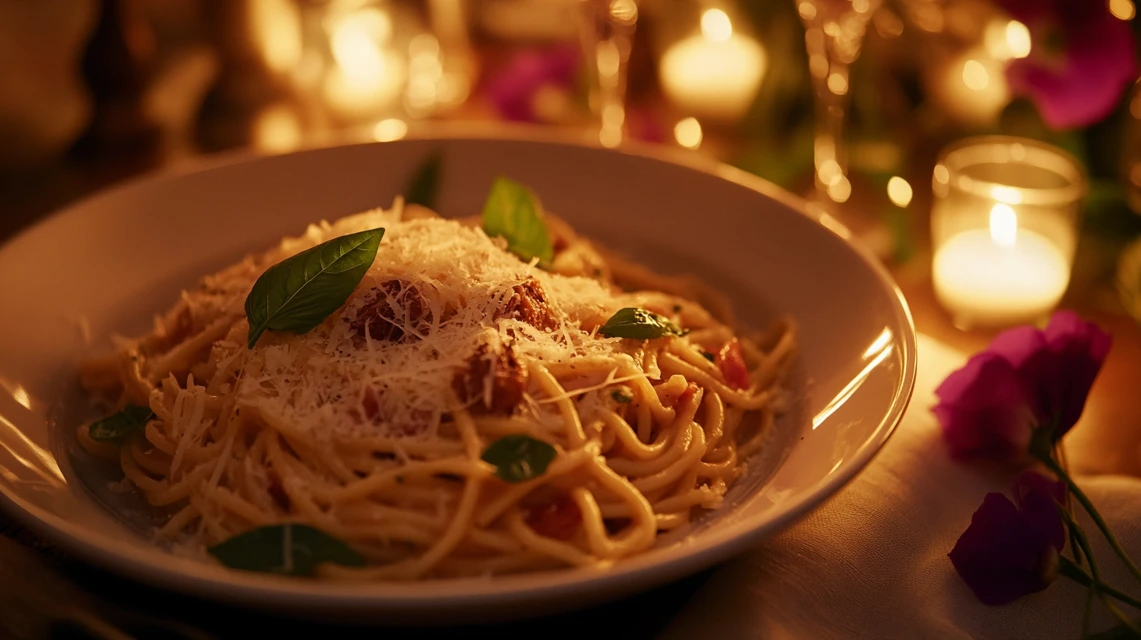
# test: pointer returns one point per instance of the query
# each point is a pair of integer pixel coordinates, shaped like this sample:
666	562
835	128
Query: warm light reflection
425	70
277	25
46	467
1122	9
625	11
389	129
879	344
1005	40
1003	225
715	25
899	191
837	84
829	172
850	389
1009	195
20	395
368	76
688	134
840	190
807	10
975	75
277	130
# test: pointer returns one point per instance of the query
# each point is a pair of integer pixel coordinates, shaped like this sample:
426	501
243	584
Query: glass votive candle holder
1004	228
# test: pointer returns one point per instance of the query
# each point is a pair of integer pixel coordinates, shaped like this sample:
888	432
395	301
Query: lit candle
714	74
1005	228
367	77
1001	276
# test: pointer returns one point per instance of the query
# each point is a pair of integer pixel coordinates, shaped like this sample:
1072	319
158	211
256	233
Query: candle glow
716	73
1003	250
367	77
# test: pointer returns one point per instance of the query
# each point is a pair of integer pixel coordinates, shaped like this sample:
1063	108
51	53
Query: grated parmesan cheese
320	381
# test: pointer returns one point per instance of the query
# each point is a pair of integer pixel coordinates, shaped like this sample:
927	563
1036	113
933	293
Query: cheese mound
339	380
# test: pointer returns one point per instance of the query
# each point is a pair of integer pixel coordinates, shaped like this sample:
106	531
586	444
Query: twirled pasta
371	427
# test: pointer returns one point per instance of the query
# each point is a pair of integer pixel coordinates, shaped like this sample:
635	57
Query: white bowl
122	255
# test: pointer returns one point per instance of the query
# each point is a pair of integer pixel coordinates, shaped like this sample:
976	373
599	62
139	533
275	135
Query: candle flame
1003	225
715	25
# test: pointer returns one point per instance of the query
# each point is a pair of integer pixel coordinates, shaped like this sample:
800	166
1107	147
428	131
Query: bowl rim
302	596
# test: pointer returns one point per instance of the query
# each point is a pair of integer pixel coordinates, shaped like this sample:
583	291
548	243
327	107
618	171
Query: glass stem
607	37
830	144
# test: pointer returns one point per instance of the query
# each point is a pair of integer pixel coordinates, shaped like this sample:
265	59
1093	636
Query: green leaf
422	188
513	212
298	293
518	457
638	324
121	424
286	549
620	397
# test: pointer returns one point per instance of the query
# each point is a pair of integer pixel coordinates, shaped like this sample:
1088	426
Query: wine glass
833	34
607	36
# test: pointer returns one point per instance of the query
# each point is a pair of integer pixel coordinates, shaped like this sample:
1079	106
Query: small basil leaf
422	187
299	292
513	211
286	549
620	397
121	424
518	457
638	324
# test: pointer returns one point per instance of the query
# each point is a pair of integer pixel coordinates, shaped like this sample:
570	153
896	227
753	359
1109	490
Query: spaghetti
374	427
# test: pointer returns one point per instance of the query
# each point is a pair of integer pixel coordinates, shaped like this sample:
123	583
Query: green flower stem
1079	537
1094	515
1075	572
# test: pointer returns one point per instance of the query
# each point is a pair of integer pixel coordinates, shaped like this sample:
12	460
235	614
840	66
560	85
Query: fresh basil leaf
638	324
286	549
121	424
620	397
422	187
299	292
518	457
513	212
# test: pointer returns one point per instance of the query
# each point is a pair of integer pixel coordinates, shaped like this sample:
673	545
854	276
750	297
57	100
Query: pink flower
1010	548
1026	379
1081	60
983	411
516	89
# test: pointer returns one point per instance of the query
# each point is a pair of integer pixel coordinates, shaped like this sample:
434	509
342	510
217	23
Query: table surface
33	575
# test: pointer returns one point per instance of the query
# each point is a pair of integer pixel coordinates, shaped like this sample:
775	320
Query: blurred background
849	103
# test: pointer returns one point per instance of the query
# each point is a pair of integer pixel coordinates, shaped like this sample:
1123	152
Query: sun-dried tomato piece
528	303
499	368
559	519
731	361
394	307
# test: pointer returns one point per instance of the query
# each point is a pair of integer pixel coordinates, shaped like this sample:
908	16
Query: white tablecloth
872	563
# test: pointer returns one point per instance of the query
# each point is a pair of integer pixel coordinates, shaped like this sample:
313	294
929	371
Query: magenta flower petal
1082	84
512	91
982	410
1000	556
1038	498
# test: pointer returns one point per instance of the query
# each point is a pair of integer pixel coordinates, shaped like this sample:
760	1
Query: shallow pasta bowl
109	263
